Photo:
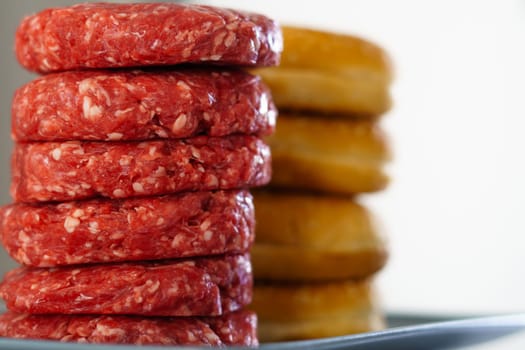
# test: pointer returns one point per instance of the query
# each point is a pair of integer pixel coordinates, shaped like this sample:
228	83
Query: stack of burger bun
317	248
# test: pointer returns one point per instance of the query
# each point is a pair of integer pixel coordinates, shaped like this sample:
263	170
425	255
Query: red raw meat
139	105
58	171
198	287
234	329
126	35
103	230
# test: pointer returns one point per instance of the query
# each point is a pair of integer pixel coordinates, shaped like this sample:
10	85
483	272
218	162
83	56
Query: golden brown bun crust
330	73
305	237
329	51
279	263
328	155
308	311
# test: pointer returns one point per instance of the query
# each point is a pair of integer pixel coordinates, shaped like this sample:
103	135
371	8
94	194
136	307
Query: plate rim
501	325
505	323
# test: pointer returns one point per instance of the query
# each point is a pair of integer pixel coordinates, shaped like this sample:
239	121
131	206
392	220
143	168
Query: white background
454	211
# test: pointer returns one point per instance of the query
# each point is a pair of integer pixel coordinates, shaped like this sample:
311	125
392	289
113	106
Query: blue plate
407	332
429	333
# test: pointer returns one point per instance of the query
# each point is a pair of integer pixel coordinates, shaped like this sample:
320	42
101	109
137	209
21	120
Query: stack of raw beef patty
132	215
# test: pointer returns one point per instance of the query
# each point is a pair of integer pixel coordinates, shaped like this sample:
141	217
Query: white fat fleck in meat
9	210
117	307
85	85
124	111
79	150
174	290
160	172
138	295
125	160
182	85
83	297
151	180
107	331
78	213
119	193
55	47
93	227
208	235
212	181
161	133
195	152
34	23
70	144
45	64
114	20
206	26
114	136
40	109
211	336
230	39
87	35
152	151
90	110
153	286
23	237
47	258
55	188
46	125
191	337
179	123
116	236
219	38
119	253
205	225
56	154
37	188
186	52
71	223
137	187
155	44
133	88
232	26
176	241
